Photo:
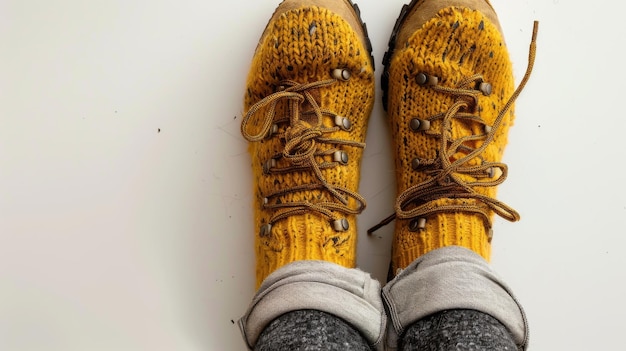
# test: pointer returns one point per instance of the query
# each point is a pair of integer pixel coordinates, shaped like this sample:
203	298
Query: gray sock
457	330
310	330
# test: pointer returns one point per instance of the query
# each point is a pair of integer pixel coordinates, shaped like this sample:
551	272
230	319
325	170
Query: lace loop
301	139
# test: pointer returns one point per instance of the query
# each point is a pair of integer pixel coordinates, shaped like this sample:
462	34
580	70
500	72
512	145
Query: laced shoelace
301	139
448	175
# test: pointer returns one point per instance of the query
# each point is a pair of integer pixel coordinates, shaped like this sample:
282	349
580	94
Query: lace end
382	223
535	30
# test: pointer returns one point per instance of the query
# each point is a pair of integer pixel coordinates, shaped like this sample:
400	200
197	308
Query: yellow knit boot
309	94
448	90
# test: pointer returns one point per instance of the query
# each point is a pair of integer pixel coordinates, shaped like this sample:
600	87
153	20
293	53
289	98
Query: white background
125	190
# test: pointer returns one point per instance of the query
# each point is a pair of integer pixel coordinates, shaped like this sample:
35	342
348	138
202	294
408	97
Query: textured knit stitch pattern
454	45
466	330
310	330
305	45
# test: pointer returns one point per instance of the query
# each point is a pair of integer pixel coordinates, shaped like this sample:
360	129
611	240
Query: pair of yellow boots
448	90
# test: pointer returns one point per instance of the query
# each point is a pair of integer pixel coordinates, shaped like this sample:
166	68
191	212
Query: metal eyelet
426	79
341	74
485	88
341	157
494	172
415	163
273	130
417	224
268	165
343	122
417	124
487	129
265	230
341	225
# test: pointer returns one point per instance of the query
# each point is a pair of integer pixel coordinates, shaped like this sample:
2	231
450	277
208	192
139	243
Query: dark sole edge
368	42
384	79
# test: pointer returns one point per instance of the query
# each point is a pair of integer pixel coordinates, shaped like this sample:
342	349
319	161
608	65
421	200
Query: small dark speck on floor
234	117
158	130
232	321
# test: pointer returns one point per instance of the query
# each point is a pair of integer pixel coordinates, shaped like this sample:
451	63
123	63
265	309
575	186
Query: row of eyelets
344	123
337	73
420	125
426	79
339	225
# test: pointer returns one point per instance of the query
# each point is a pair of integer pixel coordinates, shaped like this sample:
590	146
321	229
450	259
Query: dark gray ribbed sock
310	330
457	330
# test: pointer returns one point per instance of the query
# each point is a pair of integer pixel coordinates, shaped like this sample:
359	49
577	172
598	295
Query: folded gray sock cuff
446	279
349	294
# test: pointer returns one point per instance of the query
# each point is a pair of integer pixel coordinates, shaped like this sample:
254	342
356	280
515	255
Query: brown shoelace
446	173
301	137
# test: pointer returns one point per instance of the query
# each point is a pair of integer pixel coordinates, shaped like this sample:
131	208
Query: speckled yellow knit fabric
299	47
456	44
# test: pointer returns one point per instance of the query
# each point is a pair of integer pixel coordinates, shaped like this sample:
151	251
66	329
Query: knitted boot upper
447	86
309	94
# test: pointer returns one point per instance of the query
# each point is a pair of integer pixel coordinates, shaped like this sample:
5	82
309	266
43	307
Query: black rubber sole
390	50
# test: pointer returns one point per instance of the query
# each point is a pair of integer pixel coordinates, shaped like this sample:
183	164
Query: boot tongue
307	111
